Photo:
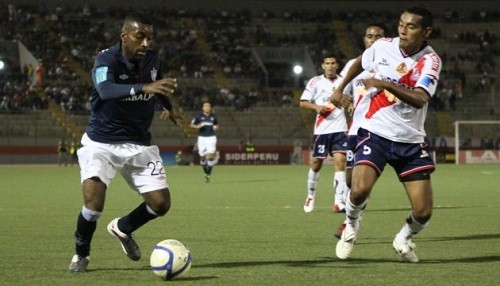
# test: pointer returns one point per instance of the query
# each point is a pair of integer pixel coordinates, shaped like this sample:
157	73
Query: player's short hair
327	56
378	25
137	17
427	18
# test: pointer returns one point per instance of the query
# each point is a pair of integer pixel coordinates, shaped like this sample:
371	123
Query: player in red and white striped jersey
356	88
407	72
330	129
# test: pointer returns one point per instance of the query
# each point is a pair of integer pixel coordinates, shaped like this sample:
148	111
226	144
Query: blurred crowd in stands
202	44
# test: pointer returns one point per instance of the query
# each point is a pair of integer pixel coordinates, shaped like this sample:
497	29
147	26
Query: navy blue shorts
327	144
352	141
406	158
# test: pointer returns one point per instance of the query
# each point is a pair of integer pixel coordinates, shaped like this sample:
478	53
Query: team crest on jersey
154	73
402	68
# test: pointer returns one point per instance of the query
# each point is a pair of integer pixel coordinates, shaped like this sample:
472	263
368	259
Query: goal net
477	142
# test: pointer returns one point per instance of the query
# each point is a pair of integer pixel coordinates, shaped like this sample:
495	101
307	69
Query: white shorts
206	145
140	166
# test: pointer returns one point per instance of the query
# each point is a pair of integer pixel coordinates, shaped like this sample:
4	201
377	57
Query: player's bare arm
164	86
340	99
309	105
417	97
195	126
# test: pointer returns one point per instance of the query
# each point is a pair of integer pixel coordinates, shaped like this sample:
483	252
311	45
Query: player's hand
172	115
339	99
350	109
320	109
336	97
165	86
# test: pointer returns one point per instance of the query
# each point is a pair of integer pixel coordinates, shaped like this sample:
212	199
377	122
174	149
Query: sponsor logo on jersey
123	76
138	97
383	62
435	62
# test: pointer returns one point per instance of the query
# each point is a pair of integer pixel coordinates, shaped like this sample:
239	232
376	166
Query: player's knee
160	208
423	216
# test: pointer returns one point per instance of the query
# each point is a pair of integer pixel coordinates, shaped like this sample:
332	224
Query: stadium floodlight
297	69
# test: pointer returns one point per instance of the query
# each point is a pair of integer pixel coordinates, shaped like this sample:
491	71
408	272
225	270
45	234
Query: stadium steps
306	116
344	39
206	50
445	123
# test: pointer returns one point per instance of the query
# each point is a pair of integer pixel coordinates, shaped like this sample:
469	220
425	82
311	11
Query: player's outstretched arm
164	86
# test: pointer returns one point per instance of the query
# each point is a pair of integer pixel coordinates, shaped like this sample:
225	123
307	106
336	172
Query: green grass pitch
247	227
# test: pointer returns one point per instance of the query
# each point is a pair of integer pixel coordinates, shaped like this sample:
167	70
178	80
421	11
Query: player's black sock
135	219
83	235
209	170
205	170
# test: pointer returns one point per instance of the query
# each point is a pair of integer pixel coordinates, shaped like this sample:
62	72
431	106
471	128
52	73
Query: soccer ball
170	259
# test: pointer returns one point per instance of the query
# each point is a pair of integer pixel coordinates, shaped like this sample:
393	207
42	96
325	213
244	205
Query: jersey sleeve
195	120
103	78
308	93
429	74
368	58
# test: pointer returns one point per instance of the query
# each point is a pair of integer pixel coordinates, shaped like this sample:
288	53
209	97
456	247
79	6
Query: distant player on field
127	84
406	76
206	123
330	129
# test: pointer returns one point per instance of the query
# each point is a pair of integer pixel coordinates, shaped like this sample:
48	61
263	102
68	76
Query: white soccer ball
170	259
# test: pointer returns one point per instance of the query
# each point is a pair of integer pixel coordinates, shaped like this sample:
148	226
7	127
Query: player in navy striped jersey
206	123
127	84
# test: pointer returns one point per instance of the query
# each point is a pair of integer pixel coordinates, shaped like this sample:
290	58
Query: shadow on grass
408	208
291	263
226	182
148	268
342	263
464	237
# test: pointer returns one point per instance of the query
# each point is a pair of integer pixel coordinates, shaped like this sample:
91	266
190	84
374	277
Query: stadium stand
215	54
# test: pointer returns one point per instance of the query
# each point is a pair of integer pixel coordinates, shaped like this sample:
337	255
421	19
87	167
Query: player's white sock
410	228
340	186
312	180
353	212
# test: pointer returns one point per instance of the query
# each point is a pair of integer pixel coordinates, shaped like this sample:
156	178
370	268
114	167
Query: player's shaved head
132	21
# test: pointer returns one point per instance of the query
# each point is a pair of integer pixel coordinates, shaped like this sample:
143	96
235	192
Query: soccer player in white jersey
330	129
373	32
407	72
